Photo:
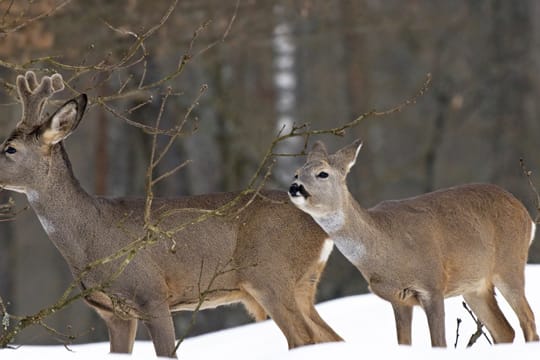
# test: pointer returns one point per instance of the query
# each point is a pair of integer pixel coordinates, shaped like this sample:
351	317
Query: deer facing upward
274	253
463	240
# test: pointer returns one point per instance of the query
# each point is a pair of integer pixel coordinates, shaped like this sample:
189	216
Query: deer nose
294	189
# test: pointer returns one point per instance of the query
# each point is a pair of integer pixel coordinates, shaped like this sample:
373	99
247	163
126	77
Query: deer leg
321	330
403	316
514	292
485	306
325	332
159	323
283	309
305	298
254	308
433	305
121	332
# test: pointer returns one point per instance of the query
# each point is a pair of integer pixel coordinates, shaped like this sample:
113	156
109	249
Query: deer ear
345	158
318	152
64	121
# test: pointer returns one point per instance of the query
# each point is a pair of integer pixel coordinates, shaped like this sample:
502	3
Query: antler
33	95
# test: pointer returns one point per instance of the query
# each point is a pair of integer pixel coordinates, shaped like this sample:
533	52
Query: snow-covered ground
364	321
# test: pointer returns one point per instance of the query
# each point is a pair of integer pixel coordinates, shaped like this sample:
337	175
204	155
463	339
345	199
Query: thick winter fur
464	240
269	254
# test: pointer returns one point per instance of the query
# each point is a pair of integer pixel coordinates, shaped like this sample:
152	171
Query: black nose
294	189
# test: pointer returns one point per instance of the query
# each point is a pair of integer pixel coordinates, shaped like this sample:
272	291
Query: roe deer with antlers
269	257
463	240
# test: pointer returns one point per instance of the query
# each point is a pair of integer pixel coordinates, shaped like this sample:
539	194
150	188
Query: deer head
26	154
320	185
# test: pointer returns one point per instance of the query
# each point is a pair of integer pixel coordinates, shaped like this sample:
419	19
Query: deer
269	257
464	240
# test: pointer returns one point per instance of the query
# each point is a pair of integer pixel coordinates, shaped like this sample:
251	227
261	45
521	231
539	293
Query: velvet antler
33	95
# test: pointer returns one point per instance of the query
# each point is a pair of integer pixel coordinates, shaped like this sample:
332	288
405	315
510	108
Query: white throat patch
352	249
32	196
533	232
331	223
47	225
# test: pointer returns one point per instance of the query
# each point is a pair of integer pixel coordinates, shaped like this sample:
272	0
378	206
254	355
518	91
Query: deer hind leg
433	305
305	298
484	305
403	316
254	308
323	332
121	332
283	309
513	290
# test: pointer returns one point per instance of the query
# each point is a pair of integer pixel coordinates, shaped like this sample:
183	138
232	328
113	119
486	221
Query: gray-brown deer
273	253
465	240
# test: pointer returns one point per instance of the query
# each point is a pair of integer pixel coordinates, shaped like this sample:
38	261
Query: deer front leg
433	305
121	332
403	317
158	321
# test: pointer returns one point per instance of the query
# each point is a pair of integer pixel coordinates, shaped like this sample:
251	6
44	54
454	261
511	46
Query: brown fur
464	240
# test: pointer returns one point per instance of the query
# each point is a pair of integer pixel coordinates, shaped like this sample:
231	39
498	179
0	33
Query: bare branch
458	320
479	328
203	294
4	31
180	125
170	172
304	131
528	174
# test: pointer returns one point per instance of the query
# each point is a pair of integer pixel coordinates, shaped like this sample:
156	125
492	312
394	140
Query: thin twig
4	31
179	127
479	328
528	174
170	172
203	294
458	320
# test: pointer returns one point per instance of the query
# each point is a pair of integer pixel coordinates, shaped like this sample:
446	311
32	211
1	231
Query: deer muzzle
297	190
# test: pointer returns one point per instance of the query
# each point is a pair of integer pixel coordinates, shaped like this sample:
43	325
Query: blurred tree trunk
285	83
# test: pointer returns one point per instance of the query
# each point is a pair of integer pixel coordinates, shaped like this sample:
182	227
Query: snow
364	321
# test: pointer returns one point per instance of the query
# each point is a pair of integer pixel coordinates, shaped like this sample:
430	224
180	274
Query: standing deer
275	252
463	240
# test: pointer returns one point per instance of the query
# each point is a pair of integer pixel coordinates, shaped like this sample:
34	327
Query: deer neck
353	230
62	207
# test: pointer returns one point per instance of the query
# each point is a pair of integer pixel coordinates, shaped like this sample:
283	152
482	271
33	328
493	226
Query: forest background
254	67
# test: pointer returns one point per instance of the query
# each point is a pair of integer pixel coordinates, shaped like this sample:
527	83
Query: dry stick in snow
479	328
458	323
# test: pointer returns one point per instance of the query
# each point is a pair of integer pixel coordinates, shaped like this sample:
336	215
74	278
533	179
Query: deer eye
296	177
322	175
10	150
